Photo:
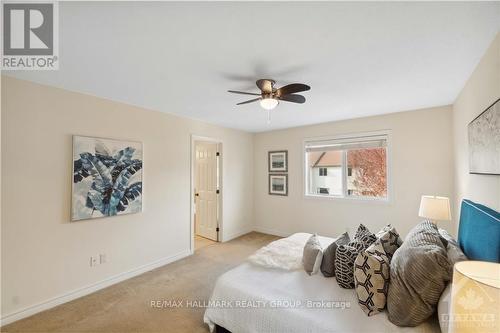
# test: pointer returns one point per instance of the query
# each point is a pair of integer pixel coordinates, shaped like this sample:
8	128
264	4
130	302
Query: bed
270	300
251	298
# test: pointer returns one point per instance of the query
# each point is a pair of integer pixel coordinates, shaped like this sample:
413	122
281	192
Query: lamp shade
269	103
475	298
435	208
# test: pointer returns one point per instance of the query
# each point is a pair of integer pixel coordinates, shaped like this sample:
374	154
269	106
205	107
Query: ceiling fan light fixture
269	103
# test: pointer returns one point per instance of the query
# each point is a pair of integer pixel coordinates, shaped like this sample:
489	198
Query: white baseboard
31	310
237	234
272	231
72	295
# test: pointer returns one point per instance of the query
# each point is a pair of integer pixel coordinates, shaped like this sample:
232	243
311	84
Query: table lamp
475	298
435	208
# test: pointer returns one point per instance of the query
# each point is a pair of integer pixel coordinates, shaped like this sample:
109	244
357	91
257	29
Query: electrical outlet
102	258
93	261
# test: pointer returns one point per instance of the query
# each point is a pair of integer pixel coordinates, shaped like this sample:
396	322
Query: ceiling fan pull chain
268	117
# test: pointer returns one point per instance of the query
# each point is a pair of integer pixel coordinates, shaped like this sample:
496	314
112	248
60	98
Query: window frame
344	196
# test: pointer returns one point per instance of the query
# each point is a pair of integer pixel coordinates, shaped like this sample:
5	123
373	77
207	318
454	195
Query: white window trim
387	199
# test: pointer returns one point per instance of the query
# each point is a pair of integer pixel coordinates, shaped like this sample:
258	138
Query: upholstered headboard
479	232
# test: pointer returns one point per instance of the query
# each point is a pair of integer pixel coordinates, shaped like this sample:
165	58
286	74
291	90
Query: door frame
194	139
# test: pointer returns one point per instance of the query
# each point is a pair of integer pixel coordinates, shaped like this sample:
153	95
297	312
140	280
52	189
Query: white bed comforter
251	298
285	253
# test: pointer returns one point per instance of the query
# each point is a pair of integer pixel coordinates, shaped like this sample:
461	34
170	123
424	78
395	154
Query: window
323	190
348	167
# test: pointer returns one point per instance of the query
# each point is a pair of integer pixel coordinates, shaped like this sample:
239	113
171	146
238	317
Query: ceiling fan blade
292	88
265	85
242	93
249	101
293	98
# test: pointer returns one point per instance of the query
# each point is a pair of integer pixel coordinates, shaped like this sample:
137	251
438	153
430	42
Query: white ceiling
360	59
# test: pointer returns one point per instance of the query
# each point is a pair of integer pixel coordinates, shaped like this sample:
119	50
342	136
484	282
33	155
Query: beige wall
481	90
43	254
422	163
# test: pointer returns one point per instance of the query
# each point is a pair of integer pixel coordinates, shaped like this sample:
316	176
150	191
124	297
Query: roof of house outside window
325	159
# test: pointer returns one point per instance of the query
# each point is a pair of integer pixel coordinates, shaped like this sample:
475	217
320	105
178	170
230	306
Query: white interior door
206	190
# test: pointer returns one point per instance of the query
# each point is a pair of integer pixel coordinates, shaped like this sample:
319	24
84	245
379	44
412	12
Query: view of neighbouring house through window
353	167
325	174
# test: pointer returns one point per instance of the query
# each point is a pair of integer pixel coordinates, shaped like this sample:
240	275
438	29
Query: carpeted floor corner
126	306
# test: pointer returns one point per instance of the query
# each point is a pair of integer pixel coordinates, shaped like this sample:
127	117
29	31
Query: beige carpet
200	242
126	306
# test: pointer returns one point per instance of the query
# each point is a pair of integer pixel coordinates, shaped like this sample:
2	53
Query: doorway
206	191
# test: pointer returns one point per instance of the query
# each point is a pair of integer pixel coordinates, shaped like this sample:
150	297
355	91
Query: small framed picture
278	161
278	184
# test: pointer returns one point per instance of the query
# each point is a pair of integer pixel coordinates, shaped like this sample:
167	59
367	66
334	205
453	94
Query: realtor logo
29	36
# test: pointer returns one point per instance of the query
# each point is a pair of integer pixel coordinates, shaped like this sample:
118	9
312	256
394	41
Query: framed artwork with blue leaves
107	178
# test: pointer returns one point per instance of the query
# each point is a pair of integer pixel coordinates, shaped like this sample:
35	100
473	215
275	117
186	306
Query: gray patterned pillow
453	250
346	255
371	278
328	263
390	240
419	272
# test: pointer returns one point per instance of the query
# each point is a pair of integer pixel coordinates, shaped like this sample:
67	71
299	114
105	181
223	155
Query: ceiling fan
270	96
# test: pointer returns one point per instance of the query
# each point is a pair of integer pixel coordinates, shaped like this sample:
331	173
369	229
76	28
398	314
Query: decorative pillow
447	237
390	240
346	255
453	250
455	255
312	255
328	263
382	231
364	236
371	278
419	273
